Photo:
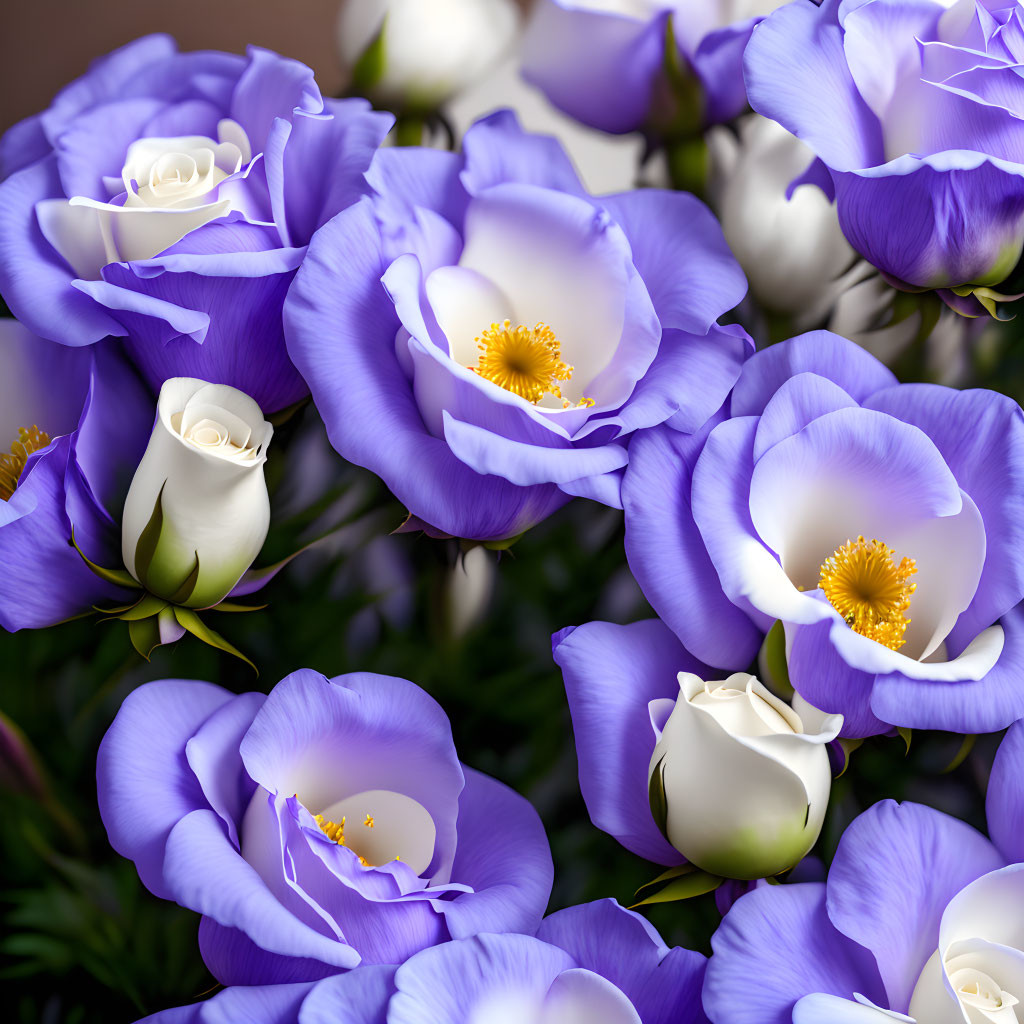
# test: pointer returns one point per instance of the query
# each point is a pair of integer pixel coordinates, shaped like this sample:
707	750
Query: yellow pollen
871	592
30	439
335	831
369	821
524	360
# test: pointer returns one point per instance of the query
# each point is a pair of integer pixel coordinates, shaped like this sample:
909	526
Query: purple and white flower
919	920
484	335
914	110
325	825
878	521
603	61
591	964
167	198
722	774
73	426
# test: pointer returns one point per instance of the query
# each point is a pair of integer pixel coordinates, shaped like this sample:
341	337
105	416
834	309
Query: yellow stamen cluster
524	360
335	831
865	585
30	439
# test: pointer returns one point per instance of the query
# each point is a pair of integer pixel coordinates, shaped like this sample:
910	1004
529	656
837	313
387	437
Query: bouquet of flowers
438	591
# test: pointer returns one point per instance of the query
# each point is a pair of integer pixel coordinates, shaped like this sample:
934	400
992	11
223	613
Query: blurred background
80	939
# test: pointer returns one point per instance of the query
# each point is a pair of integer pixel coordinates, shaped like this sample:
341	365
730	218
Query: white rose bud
198	511
413	55
736	784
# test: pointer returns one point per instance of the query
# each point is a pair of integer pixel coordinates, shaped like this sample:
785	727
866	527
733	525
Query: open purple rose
485	336
74	424
596	963
603	61
877	521
167	198
325	825
919	920
914	111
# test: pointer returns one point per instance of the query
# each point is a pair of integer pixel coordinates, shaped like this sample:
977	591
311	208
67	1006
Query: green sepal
145	549
184	592
657	798
231	606
961	755
144	609
191	622
906	735
680	883
503	545
118	577
773	662
369	69
145	635
847	747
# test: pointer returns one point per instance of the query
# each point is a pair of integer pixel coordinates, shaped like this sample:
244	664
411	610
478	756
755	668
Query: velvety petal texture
167	198
825	471
914	113
483	318
326	825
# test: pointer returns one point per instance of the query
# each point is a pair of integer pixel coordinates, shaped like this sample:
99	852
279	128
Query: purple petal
798	402
718	62
776	945
856	371
663	984
1004	804
597	66
503	854
682	256
896	868
409	177
364	994
667	554
268	1004
611	675
144	783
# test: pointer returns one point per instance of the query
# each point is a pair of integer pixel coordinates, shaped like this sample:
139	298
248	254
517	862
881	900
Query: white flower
197	511
980	959
422	53
737	786
167	188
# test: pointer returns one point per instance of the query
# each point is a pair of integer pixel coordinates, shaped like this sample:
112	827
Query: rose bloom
721	774
914	111
485	335
167	198
603	61
919	921
877	521
73	424
325	825
591	964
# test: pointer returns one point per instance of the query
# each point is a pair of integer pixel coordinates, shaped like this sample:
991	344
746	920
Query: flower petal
1004	804
364	994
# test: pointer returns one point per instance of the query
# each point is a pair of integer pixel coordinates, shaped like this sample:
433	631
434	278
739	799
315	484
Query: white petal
465	303
582	997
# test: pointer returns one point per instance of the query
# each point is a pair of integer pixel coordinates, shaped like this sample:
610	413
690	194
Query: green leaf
145	549
144	609
666	876
686	887
906	734
961	755
118	577
658	799
195	625
144	635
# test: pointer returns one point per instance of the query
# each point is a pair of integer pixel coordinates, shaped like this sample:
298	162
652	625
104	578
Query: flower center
871	592
335	831
30	439
524	360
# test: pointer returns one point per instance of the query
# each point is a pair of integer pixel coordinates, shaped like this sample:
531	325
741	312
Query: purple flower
920	916
73	425
325	825
914	110
596	963
603	61
483	334
880	522
167	198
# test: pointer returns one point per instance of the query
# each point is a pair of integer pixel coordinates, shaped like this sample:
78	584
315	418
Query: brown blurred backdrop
43	45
